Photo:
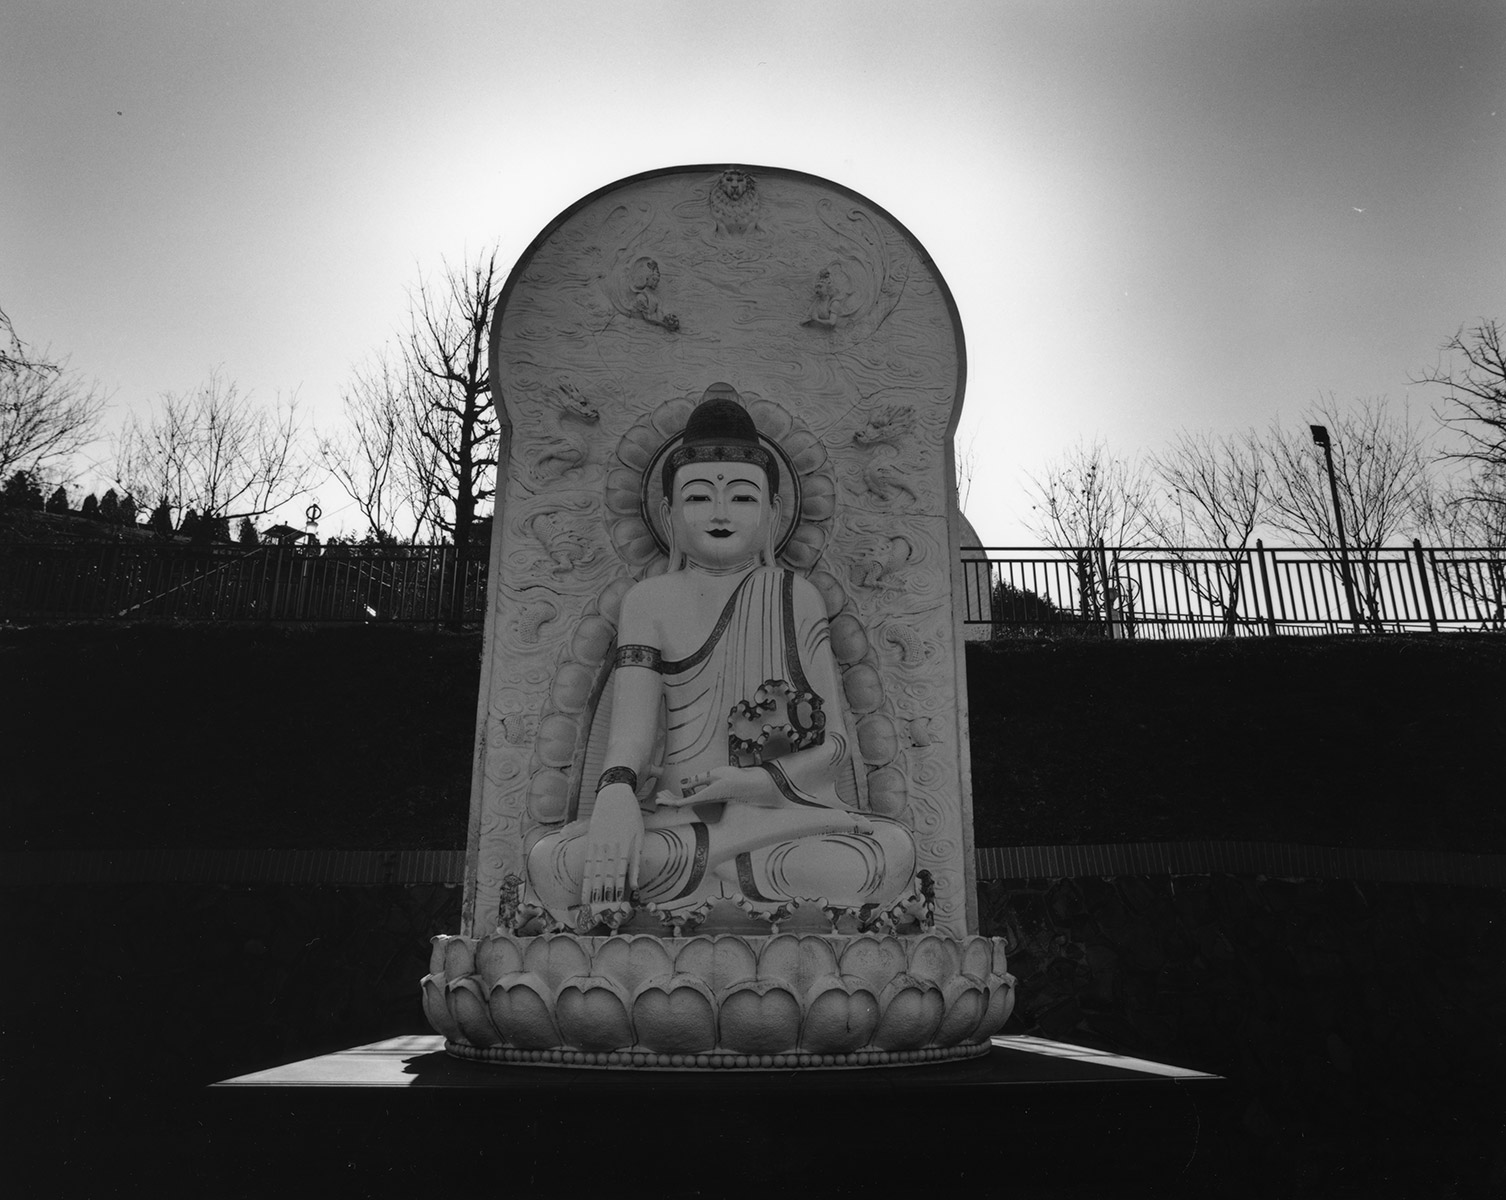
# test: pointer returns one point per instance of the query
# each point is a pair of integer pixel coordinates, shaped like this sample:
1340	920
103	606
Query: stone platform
1031	1117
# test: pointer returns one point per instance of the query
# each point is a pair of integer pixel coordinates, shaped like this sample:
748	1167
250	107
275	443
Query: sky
1153	216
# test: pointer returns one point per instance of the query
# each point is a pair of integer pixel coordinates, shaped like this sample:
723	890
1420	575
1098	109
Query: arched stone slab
840	334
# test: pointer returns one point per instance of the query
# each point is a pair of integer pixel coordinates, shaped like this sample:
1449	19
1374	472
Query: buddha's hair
720	430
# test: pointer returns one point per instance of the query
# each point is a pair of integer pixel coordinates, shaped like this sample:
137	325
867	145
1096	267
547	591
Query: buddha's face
720	512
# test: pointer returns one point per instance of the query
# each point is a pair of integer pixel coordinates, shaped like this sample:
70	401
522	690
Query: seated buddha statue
726	658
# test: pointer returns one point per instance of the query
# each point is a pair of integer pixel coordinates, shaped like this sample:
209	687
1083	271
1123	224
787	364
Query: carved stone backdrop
841	337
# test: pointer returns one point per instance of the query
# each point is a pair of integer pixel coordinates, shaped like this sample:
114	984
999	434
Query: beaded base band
714	1060
618	775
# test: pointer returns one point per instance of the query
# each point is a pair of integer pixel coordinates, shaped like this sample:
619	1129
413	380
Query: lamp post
1320	438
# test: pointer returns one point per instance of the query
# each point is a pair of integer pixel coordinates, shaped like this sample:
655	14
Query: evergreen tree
128	511
246	534
58	501
161	520
109	508
190	525
23	491
90	507
216	529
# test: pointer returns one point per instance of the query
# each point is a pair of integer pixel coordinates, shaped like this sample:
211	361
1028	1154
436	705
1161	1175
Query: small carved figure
734	202
643	280
566	547
822	310
912	647
879	570
531	618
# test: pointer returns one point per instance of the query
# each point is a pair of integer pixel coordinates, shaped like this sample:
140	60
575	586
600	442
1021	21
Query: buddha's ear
771	530
669	526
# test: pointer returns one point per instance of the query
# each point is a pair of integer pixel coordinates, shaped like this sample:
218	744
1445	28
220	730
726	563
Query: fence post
1427	593
1265	587
1108	591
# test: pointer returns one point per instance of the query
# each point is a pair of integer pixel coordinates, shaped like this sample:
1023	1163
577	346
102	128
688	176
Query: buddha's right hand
613	843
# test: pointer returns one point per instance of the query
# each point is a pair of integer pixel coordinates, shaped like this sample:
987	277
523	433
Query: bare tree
452	434
1218	493
216	452
47	412
368	461
1381	471
1475	407
1094	506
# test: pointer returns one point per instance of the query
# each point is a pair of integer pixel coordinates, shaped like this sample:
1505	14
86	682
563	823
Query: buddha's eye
695	497
745	499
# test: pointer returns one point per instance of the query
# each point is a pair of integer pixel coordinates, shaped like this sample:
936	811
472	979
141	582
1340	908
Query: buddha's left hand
730	785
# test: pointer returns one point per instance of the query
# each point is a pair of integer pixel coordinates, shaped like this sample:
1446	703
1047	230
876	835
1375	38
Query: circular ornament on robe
807	483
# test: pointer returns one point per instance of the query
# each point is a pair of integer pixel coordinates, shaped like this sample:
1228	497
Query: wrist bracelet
618	775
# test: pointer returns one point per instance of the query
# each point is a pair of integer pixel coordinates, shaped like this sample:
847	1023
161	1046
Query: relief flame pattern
723	1002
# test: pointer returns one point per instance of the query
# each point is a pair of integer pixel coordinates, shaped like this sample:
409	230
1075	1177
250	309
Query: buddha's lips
721	532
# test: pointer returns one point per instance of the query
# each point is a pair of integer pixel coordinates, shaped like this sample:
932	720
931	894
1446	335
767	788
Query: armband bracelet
618	775
633	655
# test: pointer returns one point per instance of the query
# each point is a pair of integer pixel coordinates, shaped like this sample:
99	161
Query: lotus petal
770	419
719	961
797	961
437	945
556	958
760	1016
573	684
934	958
840	1015
849	642
675	1015
632	961
593	1013
911	1013
1001	960
806	451
610	601
592	637
877	961
833	595
966	1001
977	957
864	688
555	743
519	1007
878	739
468	1006
436	1009
459	957
549	796
996	1011
887	791
497	956
670	417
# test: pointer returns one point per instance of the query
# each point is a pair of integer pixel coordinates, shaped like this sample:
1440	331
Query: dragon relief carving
568	446
887	427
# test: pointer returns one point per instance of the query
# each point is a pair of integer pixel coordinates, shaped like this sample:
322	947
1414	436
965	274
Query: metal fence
124	581
1088	591
1124	592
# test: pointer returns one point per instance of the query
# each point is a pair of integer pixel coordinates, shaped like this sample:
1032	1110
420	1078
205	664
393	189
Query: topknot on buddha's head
720	430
